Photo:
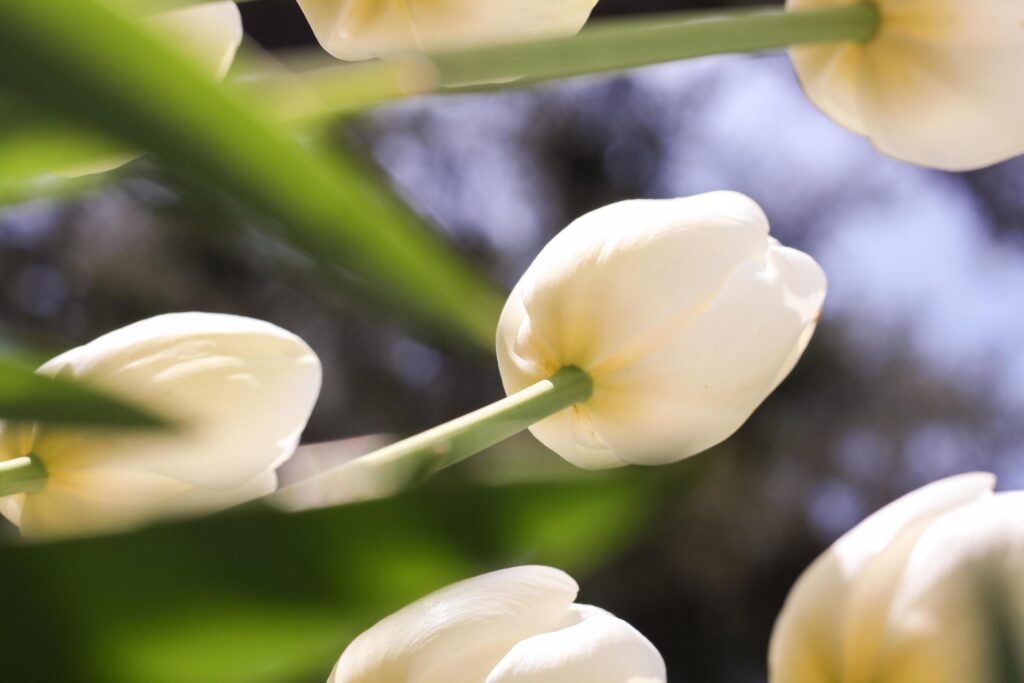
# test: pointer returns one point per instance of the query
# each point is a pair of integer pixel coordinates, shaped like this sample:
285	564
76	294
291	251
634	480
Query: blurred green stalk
22	475
627	43
395	467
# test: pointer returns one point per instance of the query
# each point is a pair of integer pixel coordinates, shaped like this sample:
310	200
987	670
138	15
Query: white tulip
240	391
362	29
902	597
684	312
208	34
516	625
939	85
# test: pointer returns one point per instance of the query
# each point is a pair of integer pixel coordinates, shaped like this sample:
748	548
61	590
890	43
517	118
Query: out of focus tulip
517	625
209	34
912	593
362	29
684	312
939	84
240	391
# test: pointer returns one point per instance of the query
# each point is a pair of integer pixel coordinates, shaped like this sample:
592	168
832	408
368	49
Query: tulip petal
209	34
937	86
940	628
947	108
593	646
459	633
834	618
362	29
241	389
713	373
623	273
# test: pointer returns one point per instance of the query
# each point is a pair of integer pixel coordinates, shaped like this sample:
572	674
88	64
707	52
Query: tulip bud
516	625
362	29
938	85
239	390
684	312
904	596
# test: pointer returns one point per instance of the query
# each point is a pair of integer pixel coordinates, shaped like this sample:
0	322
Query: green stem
26	474
393	468
622	44
464	436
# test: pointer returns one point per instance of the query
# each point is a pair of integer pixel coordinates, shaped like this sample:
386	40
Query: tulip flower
239	390
902	597
208	34
684	313
938	84
516	625
362	29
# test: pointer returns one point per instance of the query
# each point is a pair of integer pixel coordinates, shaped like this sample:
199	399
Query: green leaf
26	396
257	596
100	69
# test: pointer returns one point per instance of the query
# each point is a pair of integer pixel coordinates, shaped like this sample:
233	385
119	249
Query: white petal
242	390
694	389
209	34
938	86
940	629
831	624
594	646
361	29
459	633
625	272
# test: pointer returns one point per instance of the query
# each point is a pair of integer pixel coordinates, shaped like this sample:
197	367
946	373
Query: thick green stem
26	474
407	462
622	44
447	444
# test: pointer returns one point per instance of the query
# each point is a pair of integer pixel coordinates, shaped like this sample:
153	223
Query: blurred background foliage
915	373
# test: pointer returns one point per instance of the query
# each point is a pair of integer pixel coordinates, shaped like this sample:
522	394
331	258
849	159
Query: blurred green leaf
257	596
100	69
24	395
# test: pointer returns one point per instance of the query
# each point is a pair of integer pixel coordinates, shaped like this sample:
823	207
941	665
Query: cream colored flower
240	389
939	85
684	312
905	597
209	34
362	29
517	625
